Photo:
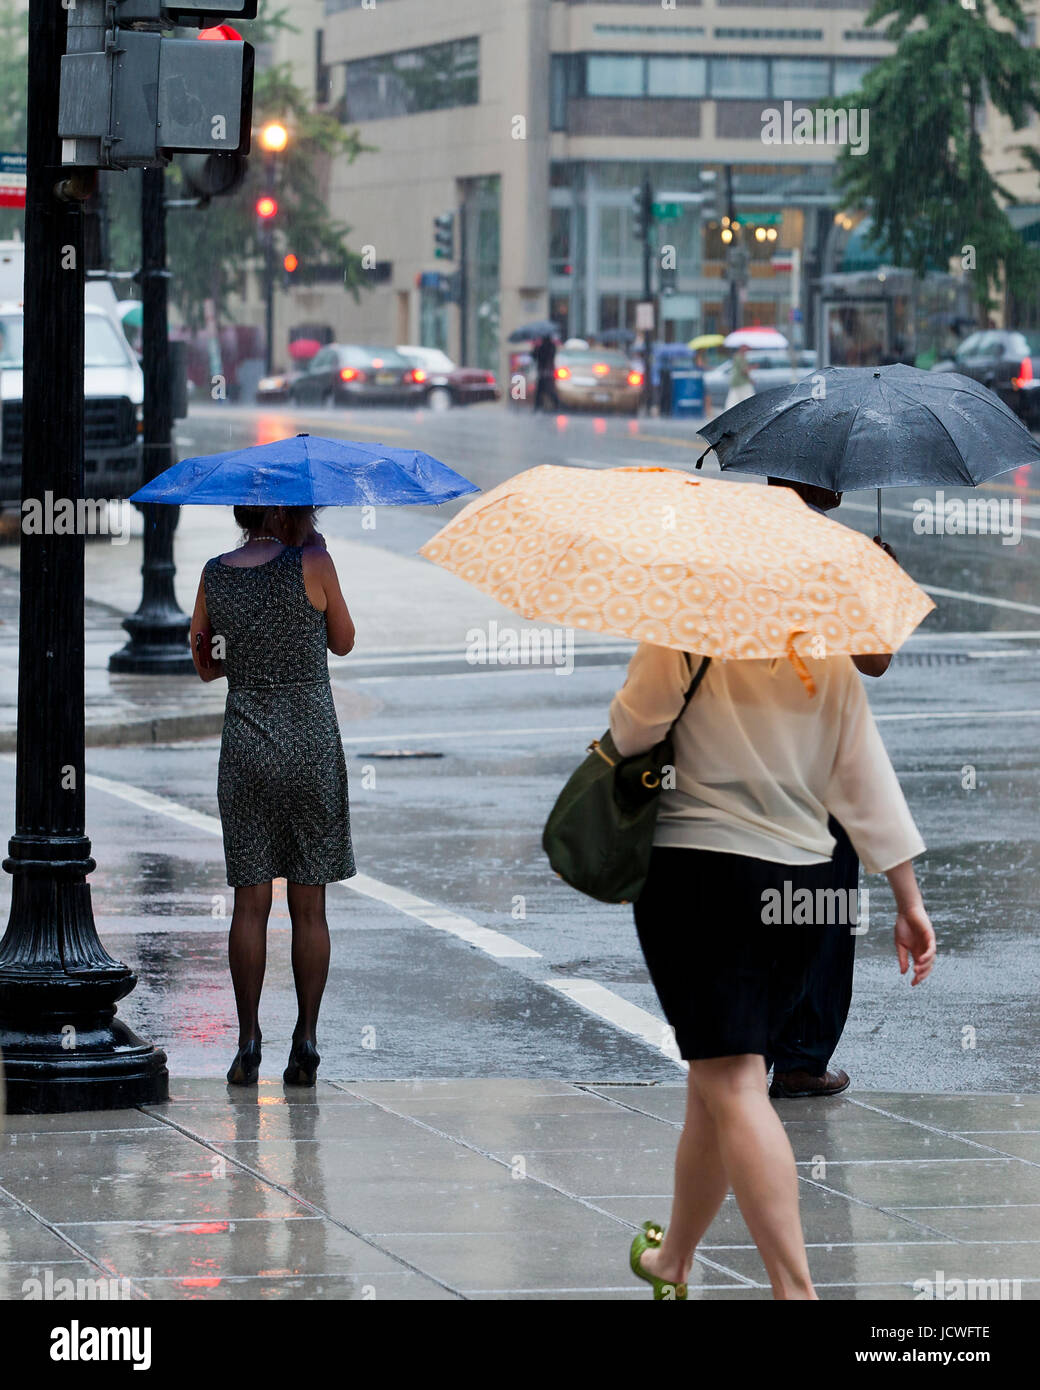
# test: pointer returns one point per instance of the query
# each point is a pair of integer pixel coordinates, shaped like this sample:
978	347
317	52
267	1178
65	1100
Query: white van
113	385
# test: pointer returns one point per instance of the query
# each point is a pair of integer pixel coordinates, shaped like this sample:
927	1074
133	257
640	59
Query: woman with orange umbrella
731	889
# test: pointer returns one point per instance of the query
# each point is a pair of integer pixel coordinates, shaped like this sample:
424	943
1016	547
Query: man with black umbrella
545	365
811	1032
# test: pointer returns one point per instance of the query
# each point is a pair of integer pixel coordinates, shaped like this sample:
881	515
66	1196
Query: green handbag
601	830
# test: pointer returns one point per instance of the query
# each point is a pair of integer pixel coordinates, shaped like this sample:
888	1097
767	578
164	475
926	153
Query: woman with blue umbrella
265	616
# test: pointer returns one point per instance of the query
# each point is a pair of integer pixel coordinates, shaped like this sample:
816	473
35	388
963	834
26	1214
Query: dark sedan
344	374
1008	362
446	384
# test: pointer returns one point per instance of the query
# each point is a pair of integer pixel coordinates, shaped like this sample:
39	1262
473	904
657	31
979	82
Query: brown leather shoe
790	1085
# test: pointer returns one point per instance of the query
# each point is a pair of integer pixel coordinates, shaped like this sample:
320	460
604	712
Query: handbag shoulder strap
698	677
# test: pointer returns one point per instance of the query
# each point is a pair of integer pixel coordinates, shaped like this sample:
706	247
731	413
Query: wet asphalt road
561	992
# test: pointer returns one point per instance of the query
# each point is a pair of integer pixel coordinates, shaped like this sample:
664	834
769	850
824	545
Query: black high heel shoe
245	1069
302	1069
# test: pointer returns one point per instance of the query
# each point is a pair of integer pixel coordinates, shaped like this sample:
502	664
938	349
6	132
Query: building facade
533	121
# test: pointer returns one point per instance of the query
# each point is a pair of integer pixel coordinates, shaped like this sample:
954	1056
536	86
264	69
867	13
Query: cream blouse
759	764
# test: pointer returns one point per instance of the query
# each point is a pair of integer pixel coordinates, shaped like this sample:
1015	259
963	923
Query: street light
274	138
274	141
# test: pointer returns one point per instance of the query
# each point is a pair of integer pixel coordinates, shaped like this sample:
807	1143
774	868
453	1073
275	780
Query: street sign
645	316
667	212
782	260
12	180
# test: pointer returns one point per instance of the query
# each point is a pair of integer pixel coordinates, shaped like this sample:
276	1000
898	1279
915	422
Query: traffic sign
12	180
667	212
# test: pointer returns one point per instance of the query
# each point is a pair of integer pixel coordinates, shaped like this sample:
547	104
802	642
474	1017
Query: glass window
677	77
614	75
11	341
739	77
421	79
850	72
559	239
970	346
801	77
102	345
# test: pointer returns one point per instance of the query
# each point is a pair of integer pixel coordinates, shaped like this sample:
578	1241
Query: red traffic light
291	262
221	31
266	208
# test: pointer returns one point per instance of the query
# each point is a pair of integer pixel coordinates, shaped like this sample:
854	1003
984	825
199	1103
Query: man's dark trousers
810	1034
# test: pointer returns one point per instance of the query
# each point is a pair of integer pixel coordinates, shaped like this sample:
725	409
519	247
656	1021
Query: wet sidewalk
515	1189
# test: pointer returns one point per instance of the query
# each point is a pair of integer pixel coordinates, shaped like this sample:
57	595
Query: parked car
768	367
346	374
445	383
593	379
276	389
1005	360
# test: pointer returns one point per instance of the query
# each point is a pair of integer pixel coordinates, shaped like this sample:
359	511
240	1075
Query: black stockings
247	954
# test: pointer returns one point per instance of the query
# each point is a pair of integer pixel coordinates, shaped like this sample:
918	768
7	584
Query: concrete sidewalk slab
488	1189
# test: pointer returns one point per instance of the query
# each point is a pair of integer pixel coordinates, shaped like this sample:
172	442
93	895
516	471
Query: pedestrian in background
545	367
740	384
811	1032
265	616
757	771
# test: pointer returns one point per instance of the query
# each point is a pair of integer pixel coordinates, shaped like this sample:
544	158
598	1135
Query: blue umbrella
308	471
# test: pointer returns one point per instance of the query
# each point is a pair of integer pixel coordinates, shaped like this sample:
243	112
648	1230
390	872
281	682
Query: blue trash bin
687	392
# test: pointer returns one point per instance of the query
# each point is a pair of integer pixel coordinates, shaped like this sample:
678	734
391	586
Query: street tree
922	177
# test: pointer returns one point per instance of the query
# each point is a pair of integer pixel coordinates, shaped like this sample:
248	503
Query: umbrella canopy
303	349
755	338
706	340
696	564
845	428
308	471
131	312
540	328
618	335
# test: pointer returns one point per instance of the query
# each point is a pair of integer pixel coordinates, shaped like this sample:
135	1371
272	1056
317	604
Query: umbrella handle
880	537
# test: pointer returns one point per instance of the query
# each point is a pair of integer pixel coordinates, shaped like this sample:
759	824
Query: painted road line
964	714
492	943
905	511
618	1012
981	598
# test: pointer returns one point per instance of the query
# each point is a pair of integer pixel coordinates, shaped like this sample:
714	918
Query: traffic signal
209	176
444	237
266	208
642	210
291	263
130	98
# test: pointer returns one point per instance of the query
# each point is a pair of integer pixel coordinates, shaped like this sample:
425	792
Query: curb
161	729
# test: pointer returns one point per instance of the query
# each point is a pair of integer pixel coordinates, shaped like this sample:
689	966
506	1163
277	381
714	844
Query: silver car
768	367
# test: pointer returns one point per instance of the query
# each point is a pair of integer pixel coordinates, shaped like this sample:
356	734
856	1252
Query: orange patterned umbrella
727	570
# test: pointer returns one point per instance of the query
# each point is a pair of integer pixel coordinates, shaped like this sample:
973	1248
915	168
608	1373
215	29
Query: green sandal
649	1238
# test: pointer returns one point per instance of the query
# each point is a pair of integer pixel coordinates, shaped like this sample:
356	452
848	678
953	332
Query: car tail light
1025	373
601	369
489	377
562	373
351	374
635	378
417	375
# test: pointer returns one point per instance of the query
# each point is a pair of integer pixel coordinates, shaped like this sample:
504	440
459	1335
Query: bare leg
701	1185
247	955
310	954
759	1160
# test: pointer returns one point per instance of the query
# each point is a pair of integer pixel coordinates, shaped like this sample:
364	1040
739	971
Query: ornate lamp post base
109	1067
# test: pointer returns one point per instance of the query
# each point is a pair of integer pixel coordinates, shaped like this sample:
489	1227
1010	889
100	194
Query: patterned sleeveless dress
282	782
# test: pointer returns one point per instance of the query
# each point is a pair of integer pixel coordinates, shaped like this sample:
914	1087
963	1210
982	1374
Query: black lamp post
158	631
63	1047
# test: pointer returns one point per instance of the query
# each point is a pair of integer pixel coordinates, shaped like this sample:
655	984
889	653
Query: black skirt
726	979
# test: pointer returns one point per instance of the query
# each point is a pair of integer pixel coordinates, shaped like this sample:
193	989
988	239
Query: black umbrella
845	428
617	335
540	328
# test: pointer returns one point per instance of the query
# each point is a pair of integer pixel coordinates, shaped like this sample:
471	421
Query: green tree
923	178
